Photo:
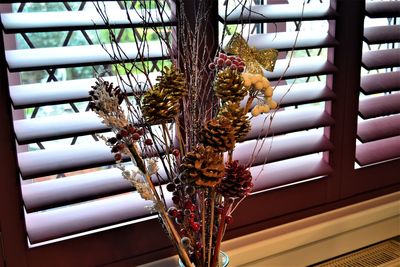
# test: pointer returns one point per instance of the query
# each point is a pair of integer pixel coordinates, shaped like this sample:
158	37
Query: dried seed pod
202	167
239	121
229	86
218	134
237	181
159	106
172	82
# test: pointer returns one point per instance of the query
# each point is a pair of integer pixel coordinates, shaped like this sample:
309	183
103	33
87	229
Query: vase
223	260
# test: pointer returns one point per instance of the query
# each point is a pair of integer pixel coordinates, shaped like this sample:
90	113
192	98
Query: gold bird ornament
255	59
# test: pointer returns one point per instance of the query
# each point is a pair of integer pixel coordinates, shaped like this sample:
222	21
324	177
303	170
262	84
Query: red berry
112	140
121	146
232	57
233	67
223	56
118	157
183	232
199	245
195	226
140	131
148	142
131	129
175	152
124	133
114	149
240	68
211	66
175	199
172	212
228	219
171	187
220	62
228	62
135	136
235	62
188	204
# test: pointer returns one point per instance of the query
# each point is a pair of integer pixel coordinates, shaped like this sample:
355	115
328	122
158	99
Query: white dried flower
152	167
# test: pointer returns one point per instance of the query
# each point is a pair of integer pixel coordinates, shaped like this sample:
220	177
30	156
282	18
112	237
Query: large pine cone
202	167
239	121
237	181
229	86
172	82
159	106
218	134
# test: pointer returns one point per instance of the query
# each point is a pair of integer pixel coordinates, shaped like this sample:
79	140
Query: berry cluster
224	61
187	216
130	134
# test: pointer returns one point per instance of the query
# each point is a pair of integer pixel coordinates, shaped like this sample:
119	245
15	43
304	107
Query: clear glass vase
223	260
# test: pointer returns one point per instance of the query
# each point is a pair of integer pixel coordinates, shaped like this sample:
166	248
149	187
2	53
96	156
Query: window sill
315	238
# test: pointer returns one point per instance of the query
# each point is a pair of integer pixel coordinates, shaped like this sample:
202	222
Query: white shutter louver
379	109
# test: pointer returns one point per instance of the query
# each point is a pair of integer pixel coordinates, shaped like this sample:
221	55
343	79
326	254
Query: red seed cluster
224	61
129	134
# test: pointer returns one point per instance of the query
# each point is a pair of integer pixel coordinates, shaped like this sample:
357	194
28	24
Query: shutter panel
291	148
379	125
91	195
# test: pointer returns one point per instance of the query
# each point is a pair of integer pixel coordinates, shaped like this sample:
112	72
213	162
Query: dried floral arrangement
180	130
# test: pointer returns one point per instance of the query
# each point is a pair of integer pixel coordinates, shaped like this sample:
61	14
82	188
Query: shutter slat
85	55
283	147
80	20
288	121
300	67
284	41
382	34
381	59
57	127
60	222
40	94
380	128
77	188
289	171
278	13
302	93
382	9
379	106
381	82
67	158
377	151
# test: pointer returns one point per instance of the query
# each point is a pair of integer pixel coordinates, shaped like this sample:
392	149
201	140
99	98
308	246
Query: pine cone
239	121
218	134
172	82
237	181
230	86
159	106
202	167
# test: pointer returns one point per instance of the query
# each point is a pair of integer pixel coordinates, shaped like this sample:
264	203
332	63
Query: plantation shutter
379	102
68	185
292	148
